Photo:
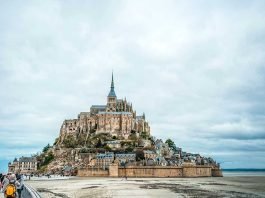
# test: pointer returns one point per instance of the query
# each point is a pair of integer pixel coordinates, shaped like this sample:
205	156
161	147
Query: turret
131	108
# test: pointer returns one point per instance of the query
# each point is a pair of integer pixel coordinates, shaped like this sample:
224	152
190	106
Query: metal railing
29	192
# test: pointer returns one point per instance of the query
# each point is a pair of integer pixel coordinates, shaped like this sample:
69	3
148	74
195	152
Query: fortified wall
152	171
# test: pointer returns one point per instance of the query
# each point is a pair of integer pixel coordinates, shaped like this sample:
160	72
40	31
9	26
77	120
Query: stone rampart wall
197	171
152	171
92	172
216	172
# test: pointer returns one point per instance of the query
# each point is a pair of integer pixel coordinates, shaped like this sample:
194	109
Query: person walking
4	181
10	185
1	175
20	187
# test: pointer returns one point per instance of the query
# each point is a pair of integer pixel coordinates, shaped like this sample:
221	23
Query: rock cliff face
68	157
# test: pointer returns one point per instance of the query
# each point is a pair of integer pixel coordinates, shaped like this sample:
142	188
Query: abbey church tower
112	98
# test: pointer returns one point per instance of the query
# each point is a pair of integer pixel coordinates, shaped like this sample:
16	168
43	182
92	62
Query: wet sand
85	187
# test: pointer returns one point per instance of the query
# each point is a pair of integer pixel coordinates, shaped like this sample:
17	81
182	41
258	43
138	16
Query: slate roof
122	155
105	155
27	159
98	106
149	152
116	113
113	142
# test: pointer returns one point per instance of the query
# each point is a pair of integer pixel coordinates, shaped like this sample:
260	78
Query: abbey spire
112	99
112	92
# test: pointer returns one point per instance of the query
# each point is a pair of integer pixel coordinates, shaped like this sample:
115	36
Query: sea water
242	172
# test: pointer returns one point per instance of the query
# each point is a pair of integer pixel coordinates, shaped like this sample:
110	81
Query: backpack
10	191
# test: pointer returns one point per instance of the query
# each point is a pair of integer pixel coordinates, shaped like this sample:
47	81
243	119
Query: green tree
144	135
70	142
139	155
46	148
99	144
129	149
48	159
107	148
55	141
80	140
84	150
171	144
133	136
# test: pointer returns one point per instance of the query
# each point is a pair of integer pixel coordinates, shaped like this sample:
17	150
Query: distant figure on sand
124	178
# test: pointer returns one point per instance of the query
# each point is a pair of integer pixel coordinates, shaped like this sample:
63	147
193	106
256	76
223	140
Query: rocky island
112	140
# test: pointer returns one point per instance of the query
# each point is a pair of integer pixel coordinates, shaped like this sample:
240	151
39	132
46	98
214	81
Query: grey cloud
195	68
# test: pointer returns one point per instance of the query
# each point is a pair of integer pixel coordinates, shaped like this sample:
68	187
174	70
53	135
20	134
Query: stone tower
112	98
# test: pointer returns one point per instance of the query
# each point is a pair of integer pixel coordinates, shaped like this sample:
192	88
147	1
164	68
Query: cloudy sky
196	68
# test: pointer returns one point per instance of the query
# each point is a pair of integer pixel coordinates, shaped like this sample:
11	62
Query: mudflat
85	187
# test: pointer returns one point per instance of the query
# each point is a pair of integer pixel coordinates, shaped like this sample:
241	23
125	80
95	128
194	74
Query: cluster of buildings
103	160
160	155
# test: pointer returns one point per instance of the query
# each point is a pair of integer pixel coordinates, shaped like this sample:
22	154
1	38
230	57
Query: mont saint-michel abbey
117	118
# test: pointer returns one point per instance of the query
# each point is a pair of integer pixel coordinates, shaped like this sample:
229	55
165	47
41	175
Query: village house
123	158
148	154
103	160
144	143
115	144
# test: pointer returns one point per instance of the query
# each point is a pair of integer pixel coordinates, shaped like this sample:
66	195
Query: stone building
103	160
162	149
25	165
116	144
123	158
149	154
117	118
144	143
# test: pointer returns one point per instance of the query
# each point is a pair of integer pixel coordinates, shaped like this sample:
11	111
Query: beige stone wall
197	171
216	172
152	171
113	170
168	171
92	172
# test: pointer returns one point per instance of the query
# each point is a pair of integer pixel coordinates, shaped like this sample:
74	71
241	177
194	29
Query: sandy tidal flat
151	187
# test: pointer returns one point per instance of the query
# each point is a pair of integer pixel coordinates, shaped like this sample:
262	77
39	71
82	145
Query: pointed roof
112	92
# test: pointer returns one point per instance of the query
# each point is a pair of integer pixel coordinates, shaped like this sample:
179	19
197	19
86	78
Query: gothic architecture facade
117	118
